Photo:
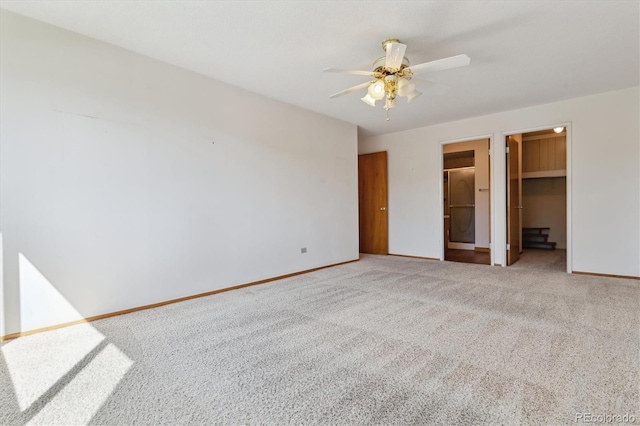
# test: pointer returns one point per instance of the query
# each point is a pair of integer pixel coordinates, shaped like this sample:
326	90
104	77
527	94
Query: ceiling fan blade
351	89
367	73
395	54
441	64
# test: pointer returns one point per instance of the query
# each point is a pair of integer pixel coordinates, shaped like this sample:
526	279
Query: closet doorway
537	199
466	202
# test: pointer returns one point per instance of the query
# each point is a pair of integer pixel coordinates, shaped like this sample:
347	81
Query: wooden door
372	203
518	139
514	178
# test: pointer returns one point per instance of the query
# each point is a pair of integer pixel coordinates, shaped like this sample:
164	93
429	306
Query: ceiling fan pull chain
388	119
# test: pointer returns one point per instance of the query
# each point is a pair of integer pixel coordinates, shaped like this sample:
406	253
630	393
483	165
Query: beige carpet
536	259
387	340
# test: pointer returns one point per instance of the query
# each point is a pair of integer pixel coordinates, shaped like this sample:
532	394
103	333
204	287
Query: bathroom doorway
466	211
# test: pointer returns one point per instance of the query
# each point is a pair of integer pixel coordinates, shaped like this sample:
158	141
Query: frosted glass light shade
405	87
558	129
376	90
411	96
368	100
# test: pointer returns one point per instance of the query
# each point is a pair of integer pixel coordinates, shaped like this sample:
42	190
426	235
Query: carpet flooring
386	340
537	259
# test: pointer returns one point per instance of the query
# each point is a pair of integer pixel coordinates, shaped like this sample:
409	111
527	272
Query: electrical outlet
303	250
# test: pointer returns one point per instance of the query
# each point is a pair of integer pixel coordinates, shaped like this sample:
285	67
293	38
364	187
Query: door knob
383	208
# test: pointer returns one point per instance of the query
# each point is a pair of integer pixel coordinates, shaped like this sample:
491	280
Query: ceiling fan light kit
377	90
367	99
392	75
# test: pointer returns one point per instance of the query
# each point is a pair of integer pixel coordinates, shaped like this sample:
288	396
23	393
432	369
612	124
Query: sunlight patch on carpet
81	399
36	363
71	371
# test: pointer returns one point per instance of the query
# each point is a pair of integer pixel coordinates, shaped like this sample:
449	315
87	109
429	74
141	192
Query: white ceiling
522	52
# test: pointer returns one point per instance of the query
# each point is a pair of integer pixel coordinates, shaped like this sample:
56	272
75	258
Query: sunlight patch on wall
41	305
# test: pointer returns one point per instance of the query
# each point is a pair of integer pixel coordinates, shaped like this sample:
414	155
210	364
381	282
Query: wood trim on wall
166	302
594	274
414	257
482	249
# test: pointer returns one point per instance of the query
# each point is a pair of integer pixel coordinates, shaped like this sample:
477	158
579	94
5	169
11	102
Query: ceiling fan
392	75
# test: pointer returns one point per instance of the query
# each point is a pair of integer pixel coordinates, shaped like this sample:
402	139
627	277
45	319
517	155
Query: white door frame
492	245
567	126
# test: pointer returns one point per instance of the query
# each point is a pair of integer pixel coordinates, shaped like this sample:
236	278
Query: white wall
603	131
126	181
480	150
544	202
